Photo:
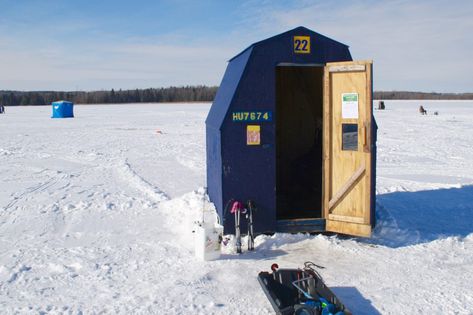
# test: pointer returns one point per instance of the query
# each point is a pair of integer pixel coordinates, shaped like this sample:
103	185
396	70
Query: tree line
199	93
406	95
152	95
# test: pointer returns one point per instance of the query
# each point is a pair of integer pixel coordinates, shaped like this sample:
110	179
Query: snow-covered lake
96	212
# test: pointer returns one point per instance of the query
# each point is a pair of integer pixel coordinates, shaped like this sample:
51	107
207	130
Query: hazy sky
104	44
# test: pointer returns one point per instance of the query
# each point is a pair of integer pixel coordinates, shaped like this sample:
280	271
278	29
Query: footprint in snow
17	274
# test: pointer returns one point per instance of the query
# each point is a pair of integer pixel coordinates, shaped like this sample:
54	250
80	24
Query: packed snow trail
96	216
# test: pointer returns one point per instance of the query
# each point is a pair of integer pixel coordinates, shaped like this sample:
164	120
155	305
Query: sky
94	45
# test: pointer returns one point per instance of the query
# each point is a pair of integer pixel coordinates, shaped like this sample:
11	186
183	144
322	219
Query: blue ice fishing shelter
62	109
291	128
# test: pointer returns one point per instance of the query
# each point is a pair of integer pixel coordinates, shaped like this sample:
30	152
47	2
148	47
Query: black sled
300	291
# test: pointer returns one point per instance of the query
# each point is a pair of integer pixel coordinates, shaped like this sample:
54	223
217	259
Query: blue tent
62	109
242	125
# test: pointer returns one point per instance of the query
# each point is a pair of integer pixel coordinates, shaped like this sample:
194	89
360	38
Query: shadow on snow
358	303
409	218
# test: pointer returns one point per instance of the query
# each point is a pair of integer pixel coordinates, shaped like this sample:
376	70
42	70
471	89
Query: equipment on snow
250	207
208	240
208	234
300	292
236	210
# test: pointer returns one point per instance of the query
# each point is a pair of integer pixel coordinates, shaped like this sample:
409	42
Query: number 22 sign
302	44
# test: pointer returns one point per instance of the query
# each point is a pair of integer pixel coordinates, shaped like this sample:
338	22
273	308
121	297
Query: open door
299	121
347	147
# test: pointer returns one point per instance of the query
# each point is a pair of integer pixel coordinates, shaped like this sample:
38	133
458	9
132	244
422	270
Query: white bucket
208	241
208	217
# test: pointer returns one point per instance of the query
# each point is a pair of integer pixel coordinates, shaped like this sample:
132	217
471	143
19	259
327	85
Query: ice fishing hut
292	129
62	109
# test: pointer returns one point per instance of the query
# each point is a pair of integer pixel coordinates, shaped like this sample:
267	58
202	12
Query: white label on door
350	105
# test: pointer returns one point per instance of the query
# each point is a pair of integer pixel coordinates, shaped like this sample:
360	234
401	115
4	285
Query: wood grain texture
346	68
346	218
346	187
347	173
348	228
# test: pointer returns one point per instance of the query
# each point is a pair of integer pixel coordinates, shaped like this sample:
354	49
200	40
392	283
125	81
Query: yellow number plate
302	44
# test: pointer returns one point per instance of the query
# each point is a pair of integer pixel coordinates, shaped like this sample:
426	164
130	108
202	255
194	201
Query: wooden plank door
347	147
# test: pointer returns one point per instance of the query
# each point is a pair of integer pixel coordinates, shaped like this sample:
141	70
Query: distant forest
176	94
405	95
151	95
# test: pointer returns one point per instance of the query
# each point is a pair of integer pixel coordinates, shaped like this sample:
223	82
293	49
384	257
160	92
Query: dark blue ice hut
291	128
62	109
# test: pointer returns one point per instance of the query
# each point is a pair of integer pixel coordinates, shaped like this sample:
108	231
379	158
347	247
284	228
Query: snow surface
97	211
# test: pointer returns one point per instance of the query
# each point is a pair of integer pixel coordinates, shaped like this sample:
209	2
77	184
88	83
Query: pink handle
237	206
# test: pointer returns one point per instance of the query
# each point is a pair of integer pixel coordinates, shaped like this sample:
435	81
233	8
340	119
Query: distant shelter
63	109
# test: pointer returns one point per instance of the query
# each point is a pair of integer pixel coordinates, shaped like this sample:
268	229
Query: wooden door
347	147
